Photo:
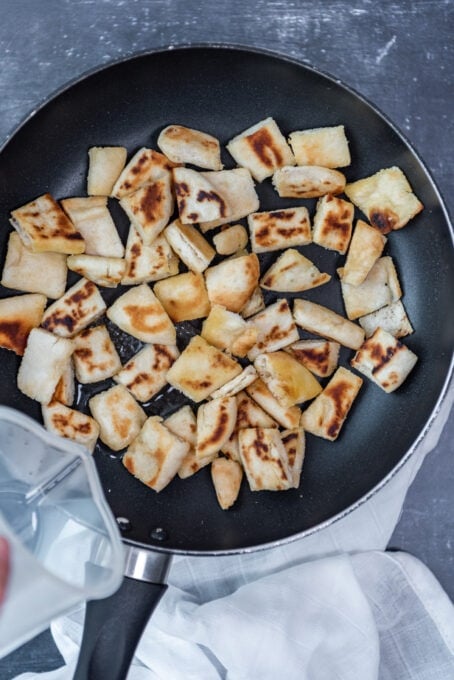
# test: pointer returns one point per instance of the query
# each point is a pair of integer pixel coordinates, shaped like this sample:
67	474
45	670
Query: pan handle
113	626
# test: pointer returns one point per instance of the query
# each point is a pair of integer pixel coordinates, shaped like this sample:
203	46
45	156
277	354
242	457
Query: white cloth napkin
331	606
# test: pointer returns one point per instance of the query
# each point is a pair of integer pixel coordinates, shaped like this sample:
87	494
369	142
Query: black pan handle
114	626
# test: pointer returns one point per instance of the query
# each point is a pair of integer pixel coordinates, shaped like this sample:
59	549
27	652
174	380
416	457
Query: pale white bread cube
384	360
380	287
71	424
184	297
366	247
105	164
276	329
92	218
232	282
65	392
145	167
294	273
319	356
190	246
75	310
145	374
155	456
325	146
254	305
229	331
45	358
327	413
191	463
215	423
147	263
186	145
238	190
23	270
18	316
231	448
95	357
295	446
264	459
333	223
201	369
119	416
183	423
227	476
197	198
279	229
323	321
386	199
392	318
237	384
231	240
250	414
262	149
150	208
288	418
308	181
288	381
104	271
139	313
44	227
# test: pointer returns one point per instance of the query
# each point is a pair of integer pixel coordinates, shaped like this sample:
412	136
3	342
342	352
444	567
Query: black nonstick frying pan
223	90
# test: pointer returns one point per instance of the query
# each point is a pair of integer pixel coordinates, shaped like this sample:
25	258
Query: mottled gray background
398	54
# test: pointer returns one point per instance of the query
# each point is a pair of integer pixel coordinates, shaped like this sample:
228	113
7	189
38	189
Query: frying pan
223	90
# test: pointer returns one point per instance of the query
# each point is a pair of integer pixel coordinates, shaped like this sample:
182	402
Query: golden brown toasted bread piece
380	287
140	313
215	423
150	208
226	475
294	273
71	424
307	181
105	163
323	321
145	167
232	282
279	229
186	145
325	146
276	329
118	415
145	374
95	356
92	219
366	247
288	381
184	297
75	310
319	356
333	223
264	459
18	315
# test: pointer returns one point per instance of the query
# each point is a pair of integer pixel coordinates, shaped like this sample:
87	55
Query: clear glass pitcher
65	546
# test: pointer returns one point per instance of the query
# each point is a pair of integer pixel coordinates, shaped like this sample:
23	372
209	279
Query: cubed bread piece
295	445
191	463
104	271
384	360
325	146
238	190
23	270
105	164
189	245
145	374
118	415
294	273
392	318
229	331
44	227
145	167
240	382
250	414
148	263
155	456
323	321
254	305
71	424
279	229
92	219
184	297
65	392
226	475
231	448
380	287
150	208
333	222
201	369
75	310
215	423
264	459
327	413
186	145
386	198
319	356
308	181
197	199
140	313
288	381
183	423
42	365
231	240
366	247
286	417
232	282
276	329
262	149
18	315
95	356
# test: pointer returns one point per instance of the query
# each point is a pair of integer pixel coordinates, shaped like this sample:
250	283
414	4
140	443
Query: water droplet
159	534
124	524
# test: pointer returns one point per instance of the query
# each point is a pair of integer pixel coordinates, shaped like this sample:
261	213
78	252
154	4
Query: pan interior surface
223	91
